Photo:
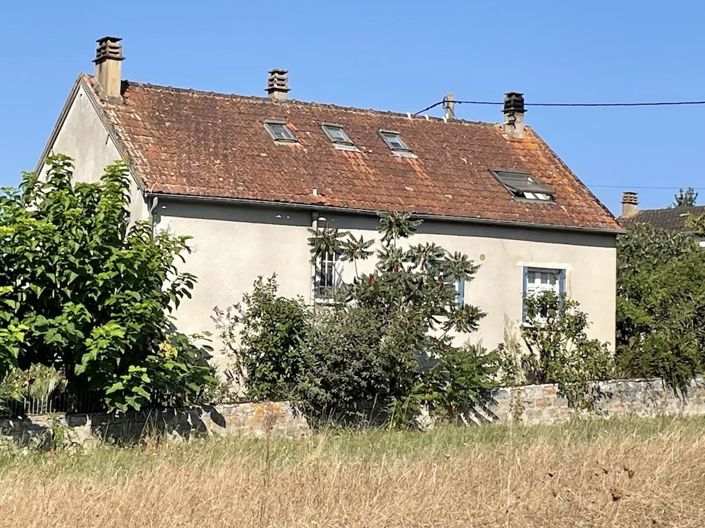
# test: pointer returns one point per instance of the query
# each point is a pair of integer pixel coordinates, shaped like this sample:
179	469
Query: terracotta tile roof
214	145
670	218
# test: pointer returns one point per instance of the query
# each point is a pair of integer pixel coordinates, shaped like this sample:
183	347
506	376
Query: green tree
685	198
88	293
410	295
660	305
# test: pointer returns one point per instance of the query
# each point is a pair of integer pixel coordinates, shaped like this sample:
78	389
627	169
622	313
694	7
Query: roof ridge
263	99
664	209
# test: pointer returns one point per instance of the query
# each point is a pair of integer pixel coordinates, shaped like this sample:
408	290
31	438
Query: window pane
279	131
326	276
394	141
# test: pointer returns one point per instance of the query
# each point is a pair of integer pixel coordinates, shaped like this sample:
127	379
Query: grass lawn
635	472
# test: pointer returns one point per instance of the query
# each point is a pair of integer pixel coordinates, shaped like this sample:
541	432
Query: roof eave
370	212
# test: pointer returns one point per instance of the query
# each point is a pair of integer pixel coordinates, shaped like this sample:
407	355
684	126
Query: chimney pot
630	204
449	106
514	115
108	67
278	84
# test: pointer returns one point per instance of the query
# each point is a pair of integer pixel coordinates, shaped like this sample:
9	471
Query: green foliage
381	353
696	224
84	291
38	382
459	380
685	198
558	349
267	352
660	305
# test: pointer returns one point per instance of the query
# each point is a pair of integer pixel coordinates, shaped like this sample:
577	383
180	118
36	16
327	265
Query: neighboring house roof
202	144
670	218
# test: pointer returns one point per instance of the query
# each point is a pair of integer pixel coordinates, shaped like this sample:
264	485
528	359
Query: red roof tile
214	145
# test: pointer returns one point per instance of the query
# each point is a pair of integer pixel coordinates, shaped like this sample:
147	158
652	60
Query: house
247	177
668	218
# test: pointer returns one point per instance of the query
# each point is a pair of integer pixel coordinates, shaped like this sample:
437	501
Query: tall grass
585	473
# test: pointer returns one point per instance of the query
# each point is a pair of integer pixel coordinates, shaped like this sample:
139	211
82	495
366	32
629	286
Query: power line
647	187
574	105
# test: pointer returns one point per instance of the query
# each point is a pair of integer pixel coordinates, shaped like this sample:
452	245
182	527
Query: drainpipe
315	216
152	209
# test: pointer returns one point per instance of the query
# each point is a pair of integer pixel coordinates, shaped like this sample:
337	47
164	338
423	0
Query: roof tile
214	145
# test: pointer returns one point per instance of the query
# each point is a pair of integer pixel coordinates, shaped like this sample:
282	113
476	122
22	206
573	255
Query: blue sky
395	55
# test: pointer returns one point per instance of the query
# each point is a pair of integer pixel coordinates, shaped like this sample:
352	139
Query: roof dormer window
394	141
524	186
279	131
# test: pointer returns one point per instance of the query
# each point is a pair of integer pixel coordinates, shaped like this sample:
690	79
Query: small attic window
279	131
524	186
337	134
394	141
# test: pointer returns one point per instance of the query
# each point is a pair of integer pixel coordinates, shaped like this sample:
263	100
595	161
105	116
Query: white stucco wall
232	245
85	138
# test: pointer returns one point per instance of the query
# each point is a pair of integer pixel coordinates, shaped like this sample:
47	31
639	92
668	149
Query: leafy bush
84	291
557	349
460	379
267	352
382	351
660	305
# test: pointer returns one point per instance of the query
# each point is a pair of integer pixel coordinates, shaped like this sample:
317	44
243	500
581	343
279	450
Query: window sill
404	154
346	148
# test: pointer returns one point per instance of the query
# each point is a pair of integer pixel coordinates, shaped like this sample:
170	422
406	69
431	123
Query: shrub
381	351
557	349
660	305
85	291
263	334
460	380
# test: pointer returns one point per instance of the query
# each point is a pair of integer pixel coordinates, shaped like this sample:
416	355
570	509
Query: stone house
247	177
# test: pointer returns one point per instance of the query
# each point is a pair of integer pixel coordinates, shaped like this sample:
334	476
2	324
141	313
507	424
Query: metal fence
81	402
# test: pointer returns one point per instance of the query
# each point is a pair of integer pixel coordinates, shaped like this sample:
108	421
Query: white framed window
327	276
539	280
460	292
279	131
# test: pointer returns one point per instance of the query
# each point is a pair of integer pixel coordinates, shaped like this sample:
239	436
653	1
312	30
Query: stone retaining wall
243	419
531	404
543	404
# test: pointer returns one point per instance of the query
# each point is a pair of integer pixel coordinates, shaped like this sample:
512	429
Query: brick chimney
108	67
630	204
514	115
278	84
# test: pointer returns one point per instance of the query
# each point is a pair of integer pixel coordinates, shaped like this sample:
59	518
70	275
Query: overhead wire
571	105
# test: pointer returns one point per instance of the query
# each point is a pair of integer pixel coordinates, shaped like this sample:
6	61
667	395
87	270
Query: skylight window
524	186
279	131
337	134
394	141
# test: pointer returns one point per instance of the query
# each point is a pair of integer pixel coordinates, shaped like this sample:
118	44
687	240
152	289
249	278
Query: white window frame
327	277
538	287
459	286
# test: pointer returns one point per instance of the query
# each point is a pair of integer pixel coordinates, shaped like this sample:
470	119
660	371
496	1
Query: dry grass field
587	473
